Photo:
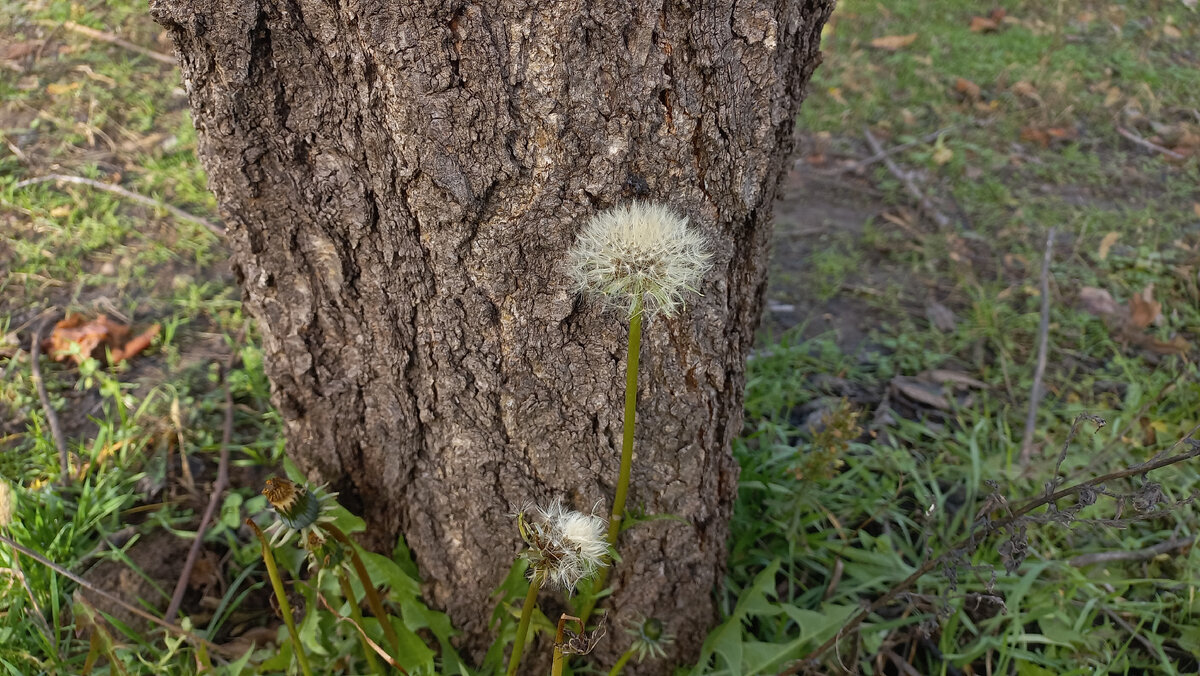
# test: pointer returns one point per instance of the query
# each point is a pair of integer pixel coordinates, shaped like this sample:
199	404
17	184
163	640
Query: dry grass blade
35	352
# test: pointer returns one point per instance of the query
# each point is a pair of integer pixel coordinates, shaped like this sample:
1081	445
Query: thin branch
35	353
173	628
182	215
971	541
1167	547
883	154
1035	393
1150	145
114	40
214	499
942	220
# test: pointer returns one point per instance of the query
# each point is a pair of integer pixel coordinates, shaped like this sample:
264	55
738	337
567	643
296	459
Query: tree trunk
401	180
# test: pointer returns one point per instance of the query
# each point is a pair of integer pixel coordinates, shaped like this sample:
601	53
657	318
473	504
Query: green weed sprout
644	259
565	547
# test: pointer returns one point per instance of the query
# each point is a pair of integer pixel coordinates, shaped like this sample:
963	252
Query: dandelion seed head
641	251
565	546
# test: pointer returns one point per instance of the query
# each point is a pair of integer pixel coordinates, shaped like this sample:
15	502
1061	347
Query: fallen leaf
921	391
1171	32
967	89
1112	97
1143	309
56	88
942	155
892	43
1107	243
1044	136
76	339
942	376
981	24
997	14
1098	301
1026	90
1176	345
941	317
20	50
1196	209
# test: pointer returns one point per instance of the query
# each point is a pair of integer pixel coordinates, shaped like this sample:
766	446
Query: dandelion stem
356	615
369	591
616	670
285	608
557	668
514	660
631	387
618	511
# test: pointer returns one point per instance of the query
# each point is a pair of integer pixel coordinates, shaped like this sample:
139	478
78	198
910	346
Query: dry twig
1035	394
1150	145
882	154
35	353
942	220
1167	547
173	628
114	40
214	499
128	194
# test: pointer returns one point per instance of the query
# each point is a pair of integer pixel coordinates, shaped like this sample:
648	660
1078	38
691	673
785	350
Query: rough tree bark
400	181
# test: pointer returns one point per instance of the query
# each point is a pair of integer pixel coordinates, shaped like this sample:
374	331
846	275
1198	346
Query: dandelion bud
300	511
639	253
565	546
6	504
649	639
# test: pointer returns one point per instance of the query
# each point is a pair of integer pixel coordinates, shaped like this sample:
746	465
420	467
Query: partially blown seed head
565	546
642	251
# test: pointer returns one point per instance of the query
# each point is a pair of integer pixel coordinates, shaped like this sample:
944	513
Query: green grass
825	521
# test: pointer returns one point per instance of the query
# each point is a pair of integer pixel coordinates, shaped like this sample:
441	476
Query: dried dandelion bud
639	252
300	511
565	546
7	505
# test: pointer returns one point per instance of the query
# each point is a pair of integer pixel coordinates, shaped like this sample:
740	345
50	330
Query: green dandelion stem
514	660
621	663
618	511
373	600
356	615
631	386
285	608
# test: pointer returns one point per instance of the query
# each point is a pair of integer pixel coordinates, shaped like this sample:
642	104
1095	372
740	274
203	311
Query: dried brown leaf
967	89
1098	301
981	24
921	391
1107	243
1143	309
892	43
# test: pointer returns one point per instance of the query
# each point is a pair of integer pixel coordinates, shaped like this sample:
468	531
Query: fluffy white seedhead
641	250
565	546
